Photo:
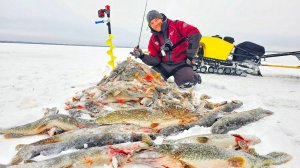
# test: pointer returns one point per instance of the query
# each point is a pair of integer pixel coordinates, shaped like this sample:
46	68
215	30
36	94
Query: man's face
155	24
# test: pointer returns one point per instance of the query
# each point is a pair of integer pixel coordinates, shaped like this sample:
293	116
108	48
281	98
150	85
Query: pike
234	141
115	156
82	138
229	106
114	128
225	106
64	122
205	156
147	117
206	120
237	120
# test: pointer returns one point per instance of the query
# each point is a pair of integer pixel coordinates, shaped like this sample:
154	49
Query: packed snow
34	77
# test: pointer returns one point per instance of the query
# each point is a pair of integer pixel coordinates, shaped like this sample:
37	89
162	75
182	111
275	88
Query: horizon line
48	43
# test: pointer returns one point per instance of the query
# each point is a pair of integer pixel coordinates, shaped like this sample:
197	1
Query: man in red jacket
172	47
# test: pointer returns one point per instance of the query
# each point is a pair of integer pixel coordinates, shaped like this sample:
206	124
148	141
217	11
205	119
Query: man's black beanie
153	14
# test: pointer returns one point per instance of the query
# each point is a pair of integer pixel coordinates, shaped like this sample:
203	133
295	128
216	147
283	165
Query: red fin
241	142
149	77
79	106
153	125
113	151
121	100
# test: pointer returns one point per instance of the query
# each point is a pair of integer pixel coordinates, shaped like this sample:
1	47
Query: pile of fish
128	110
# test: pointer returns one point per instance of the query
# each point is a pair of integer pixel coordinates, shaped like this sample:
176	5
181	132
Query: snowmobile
220	55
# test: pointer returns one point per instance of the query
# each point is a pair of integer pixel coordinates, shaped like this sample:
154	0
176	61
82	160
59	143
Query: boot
197	79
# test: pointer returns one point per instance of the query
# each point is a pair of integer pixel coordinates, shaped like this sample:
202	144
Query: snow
34	77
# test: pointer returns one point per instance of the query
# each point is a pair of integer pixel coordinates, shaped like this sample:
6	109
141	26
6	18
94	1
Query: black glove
137	53
191	60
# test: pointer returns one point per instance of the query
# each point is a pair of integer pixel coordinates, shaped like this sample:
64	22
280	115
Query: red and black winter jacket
175	31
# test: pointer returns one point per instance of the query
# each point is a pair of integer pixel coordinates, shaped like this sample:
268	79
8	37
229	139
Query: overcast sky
274	24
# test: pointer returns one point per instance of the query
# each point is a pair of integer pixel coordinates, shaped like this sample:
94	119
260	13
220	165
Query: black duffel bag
248	51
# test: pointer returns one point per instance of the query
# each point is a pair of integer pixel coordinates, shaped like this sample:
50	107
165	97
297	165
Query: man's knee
186	77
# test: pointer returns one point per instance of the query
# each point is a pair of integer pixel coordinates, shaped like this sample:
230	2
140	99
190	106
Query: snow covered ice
34	77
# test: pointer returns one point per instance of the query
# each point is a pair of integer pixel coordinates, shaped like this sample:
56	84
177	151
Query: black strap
157	39
179	42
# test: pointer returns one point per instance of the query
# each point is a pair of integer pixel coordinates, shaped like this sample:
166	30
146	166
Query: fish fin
68	166
186	165
220	104
29	161
9	136
236	161
209	106
41	127
204	97
48	141
16	160
279	157
19	146
153	125
147	140
202	139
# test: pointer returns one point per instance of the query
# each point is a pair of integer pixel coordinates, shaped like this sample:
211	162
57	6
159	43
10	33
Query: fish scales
237	120
59	120
208	156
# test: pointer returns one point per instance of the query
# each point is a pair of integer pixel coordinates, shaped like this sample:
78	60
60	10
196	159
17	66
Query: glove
137	53
191	60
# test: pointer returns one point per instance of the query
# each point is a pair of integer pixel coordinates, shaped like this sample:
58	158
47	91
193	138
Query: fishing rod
136	52
142	25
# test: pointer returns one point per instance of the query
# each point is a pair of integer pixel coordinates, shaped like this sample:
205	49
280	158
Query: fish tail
12	135
22	155
147	140
16	160
263	112
19	146
2	130
278	158
168	141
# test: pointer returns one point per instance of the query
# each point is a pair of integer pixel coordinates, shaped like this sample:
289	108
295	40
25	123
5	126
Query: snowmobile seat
248	51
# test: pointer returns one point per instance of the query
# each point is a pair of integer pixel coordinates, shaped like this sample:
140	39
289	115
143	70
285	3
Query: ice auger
101	14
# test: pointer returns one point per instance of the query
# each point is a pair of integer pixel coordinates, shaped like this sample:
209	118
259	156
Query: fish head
236	103
251	139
